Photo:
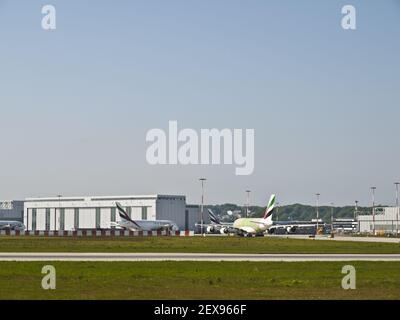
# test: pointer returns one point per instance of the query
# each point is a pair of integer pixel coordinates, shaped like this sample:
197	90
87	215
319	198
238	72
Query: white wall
383	222
136	213
87	218
105	218
41	219
69	219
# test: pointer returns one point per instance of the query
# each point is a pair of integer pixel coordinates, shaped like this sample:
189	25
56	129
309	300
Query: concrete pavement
193	257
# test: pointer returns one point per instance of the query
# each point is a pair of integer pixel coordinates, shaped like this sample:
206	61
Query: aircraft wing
308	225
126	227
222	228
260	222
293	225
204	225
290	227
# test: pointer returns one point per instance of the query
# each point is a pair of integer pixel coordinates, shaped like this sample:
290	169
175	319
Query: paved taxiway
339	238
193	257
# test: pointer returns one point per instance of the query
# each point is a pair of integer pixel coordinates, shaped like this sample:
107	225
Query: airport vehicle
143	225
11	225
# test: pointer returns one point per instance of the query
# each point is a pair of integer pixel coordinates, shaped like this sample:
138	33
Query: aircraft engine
210	229
291	229
223	230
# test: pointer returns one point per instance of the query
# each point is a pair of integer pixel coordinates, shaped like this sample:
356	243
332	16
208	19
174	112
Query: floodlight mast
397	207
202	205
317	207
247	202
373	209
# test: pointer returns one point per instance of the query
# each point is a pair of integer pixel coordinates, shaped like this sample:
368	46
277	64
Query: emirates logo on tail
270	207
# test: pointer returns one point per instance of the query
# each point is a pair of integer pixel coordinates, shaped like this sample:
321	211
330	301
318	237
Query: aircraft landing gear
245	235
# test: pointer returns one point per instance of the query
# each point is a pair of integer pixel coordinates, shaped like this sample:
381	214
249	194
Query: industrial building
12	210
194	215
344	225
98	212
386	221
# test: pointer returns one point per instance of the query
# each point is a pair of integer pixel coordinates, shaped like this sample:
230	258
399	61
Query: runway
194	257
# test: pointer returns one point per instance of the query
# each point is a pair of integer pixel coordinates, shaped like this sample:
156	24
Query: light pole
332	204
55	211
317	207
373	209
356	211
397	207
202	203
356	216
277	210
248	202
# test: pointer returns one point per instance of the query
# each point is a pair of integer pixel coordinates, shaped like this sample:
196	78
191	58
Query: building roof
103	198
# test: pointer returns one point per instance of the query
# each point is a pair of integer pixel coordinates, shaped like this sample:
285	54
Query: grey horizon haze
76	102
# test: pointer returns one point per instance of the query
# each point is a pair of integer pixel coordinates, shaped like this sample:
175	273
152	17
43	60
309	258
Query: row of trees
291	212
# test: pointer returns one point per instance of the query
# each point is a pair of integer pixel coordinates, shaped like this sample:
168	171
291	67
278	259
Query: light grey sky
76	103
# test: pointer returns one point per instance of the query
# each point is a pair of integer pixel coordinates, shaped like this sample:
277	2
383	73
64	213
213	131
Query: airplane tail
213	217
122	213
270	208
124	216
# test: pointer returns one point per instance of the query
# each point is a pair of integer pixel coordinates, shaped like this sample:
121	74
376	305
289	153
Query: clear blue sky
76	103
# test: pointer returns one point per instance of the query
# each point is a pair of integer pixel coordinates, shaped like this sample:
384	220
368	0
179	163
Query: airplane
256	226
242	226
142	225
11	225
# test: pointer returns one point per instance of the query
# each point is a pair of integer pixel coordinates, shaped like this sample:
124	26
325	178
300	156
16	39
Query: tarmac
339	238
194	257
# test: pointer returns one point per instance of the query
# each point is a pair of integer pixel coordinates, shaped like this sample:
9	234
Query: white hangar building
386	220
74	213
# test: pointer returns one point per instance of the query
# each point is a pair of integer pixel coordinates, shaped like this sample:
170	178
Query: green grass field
199	280
191	244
